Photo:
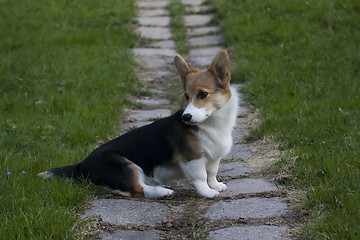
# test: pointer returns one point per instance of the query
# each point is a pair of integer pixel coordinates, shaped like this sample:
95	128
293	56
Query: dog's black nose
186	117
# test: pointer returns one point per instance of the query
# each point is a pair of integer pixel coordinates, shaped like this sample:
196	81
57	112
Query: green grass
65	72
177	11
300	61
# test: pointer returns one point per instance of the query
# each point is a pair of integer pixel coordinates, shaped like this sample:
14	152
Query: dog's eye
186	96
202	95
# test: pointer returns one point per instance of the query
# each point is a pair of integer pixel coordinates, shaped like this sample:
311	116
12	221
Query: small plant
197	230
177	11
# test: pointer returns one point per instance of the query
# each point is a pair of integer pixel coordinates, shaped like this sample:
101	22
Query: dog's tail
71	171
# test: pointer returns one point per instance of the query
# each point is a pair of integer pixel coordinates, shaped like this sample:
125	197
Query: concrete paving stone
205	40
154	58
153	4
236	85
154	21
242	110
156	33
149	75
201	62
131	125
193	2
120	211
246	208
154	62
154	51
205	51
247	185
238	151
164	44
152	101
157	91
233	169
203	30
198	9
145	115
263	232
133	235
238	134
152	12
197	19
241	98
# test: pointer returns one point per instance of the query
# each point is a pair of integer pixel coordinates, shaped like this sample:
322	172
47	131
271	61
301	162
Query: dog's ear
220	67
182	68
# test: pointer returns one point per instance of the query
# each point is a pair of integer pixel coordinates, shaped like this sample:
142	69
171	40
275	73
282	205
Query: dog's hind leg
152	191
121	176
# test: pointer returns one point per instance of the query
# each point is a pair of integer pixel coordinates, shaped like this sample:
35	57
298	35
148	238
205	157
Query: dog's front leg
212	168
195	171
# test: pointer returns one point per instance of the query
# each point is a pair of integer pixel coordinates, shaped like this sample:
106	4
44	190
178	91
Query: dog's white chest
215	144
215	134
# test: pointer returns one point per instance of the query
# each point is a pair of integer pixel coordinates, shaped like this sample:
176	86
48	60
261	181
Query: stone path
251	208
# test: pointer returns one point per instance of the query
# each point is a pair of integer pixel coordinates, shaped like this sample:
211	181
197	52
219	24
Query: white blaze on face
198	115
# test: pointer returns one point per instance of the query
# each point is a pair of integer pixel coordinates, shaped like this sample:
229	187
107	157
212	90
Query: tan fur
214	81
138	190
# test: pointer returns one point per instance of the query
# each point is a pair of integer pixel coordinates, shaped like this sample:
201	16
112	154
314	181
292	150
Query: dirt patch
265	151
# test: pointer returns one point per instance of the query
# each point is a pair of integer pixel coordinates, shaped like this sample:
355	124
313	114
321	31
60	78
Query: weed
177	11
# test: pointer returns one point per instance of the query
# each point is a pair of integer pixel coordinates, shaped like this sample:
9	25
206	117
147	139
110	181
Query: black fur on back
149	146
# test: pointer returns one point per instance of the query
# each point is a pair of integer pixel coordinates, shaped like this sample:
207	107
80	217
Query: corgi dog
189	144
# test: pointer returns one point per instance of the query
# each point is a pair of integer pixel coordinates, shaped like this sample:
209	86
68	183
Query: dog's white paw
211	193
157	192
219	186
168	193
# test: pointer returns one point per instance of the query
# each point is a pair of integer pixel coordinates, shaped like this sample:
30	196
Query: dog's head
205	92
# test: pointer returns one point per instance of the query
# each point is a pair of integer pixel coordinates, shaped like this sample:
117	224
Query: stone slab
197	19
204	51
156	33
152	12
242	110
123	211
154	62
247	185
149	75
133	235
238	133
198	9
151	101
246	208
233	169
154	21
154	51
237	85
152	4
204	40
201	62
238	151
163	44
146	115
203	30
131	125
154	58
262	232
193	2
157	91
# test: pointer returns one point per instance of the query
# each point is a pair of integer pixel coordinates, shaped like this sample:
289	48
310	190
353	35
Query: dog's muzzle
186	117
